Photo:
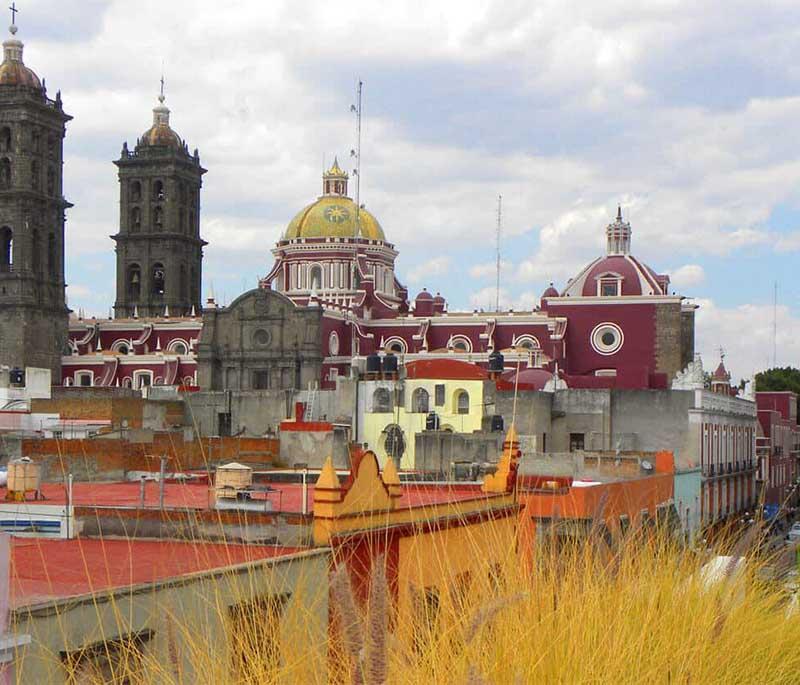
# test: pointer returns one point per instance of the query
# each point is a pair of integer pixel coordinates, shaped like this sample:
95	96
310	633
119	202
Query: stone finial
391	479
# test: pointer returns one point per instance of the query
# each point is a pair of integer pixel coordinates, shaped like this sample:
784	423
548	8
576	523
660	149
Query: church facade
615	325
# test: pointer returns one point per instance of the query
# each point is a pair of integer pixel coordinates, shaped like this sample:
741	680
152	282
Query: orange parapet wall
611	499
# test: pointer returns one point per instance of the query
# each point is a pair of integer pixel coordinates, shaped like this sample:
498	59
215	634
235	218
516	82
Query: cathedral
331	302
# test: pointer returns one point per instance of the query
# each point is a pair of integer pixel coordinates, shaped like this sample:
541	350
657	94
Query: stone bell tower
33	311
159	249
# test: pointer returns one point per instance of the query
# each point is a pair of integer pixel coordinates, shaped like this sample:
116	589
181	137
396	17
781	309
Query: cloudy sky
686	113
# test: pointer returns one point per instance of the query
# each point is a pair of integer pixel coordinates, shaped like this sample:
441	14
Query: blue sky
683	112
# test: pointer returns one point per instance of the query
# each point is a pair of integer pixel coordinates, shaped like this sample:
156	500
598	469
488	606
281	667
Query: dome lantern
334	180
160	132
618	236
13	71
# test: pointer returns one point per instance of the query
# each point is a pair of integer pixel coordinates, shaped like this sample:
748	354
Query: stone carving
692	377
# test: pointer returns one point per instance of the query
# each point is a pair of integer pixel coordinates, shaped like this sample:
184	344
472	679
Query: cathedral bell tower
33	311
159	249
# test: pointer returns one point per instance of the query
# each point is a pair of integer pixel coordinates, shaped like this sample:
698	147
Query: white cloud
488	269
745	332
486	299
438	266
564	109
687	276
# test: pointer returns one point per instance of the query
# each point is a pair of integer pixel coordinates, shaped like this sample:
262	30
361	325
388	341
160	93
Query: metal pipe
69	502
161	482
305	492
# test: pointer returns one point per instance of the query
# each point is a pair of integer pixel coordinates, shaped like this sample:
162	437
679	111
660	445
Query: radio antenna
356	154
499	230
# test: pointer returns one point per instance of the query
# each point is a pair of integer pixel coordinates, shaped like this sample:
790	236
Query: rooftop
45	569
284	497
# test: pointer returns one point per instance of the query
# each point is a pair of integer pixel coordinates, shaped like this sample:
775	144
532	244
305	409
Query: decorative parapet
505	478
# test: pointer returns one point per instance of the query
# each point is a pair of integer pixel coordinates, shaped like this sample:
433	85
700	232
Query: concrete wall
199	604
253	412
314	447
437	450
652	419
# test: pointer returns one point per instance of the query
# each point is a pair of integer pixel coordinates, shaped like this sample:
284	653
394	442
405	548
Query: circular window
261	337
607	338
333	343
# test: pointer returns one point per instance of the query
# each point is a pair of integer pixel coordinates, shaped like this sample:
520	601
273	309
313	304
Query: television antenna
356	154
499	230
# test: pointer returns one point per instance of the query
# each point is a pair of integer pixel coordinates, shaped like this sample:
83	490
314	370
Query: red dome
550	292
438	299
637	278
424	296
529	379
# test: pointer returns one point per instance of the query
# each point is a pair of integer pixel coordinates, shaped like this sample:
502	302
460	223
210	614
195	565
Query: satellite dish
646	465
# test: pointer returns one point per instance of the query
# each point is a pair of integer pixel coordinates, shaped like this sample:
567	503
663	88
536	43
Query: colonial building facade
615	325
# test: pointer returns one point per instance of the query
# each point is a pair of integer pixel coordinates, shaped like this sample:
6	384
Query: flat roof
284	497
46	569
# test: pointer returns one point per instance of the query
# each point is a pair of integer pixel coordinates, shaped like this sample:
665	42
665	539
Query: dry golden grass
633	611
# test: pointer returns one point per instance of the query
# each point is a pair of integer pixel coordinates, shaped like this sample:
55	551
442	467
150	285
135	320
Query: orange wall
105	455
622	497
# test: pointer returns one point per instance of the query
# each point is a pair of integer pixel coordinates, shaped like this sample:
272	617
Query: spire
161	111
619	207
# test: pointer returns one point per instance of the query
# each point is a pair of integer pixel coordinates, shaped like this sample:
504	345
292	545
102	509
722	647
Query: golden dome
333	216
13	71
160	132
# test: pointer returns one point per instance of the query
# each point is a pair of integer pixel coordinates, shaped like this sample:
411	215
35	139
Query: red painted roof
445	369
288	497
43	569
528	379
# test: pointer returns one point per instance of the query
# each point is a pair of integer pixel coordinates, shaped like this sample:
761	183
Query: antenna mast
357	155
499	229
775	327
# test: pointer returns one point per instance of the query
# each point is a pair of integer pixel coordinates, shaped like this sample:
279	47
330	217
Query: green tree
786	378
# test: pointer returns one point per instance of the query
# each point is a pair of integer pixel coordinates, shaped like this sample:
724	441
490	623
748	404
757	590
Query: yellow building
436	540
392	412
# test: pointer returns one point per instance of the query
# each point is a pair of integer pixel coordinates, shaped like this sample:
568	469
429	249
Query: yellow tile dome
333	216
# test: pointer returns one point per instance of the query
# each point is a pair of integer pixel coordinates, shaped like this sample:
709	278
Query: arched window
158	191
37	251
5	173
527	342
381	401
461	343
136	191
36	140
5	139
35	173
159	279
52	256
462	402
158	218
178	347
51	146
420	401
136	219
6	248
134	282
394	442
315	277
396	346
51	181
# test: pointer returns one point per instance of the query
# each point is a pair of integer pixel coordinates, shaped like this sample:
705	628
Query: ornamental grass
638	608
